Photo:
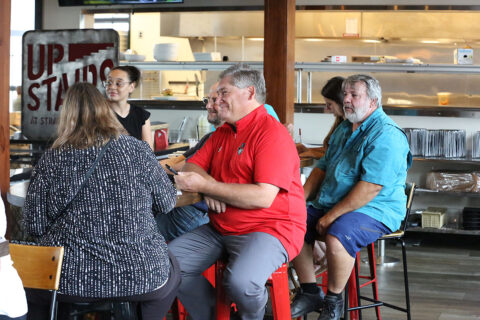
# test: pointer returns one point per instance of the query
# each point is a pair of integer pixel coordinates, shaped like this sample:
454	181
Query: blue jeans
180	220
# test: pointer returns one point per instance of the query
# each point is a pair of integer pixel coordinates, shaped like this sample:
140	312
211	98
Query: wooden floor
444	282
444	277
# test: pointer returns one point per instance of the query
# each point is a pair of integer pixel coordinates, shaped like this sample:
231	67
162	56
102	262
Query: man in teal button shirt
360	183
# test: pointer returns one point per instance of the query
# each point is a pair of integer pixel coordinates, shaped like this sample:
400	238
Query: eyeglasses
222	93
118	84
207	100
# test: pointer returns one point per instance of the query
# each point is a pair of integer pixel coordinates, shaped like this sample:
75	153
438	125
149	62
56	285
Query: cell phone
171	169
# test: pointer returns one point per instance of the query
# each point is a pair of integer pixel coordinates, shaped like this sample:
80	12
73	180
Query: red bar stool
351	287
353	300
178	310
279	293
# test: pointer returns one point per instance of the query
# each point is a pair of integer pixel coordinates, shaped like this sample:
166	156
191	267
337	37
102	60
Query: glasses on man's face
211	100
118	84
222	93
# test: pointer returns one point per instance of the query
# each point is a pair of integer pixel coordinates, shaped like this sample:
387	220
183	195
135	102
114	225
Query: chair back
38	267
410	192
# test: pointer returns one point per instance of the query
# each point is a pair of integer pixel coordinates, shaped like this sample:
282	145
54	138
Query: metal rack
449	193
310	67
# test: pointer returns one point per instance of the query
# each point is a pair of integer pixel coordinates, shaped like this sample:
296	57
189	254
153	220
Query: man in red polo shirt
248	172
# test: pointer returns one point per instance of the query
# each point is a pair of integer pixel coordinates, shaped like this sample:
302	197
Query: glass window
22	20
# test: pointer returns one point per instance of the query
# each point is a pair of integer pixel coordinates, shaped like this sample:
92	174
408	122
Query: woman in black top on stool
120	83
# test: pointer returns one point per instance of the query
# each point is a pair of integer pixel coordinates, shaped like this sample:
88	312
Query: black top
134	121
112	245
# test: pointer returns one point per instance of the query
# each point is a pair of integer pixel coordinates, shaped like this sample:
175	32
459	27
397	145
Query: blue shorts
354	230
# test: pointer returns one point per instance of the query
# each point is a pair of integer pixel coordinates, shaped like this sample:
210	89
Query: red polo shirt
258	150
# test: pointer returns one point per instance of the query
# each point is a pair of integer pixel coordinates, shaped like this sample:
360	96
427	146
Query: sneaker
304	303
332	308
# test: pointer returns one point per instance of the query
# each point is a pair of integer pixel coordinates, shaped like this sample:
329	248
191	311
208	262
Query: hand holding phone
171	169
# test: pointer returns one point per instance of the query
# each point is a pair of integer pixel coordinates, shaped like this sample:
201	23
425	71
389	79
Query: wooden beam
279	56
4	96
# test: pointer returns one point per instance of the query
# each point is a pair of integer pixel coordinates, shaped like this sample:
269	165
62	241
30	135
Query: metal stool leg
382	259
405	279
373	276
279	292
357	284
223	304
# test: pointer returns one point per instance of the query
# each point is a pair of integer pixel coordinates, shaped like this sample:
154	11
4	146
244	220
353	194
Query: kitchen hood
328	24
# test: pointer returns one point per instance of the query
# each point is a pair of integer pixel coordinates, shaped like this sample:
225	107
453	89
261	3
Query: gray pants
252	258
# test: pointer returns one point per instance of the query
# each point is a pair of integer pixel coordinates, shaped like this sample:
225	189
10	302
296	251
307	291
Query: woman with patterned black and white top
113	250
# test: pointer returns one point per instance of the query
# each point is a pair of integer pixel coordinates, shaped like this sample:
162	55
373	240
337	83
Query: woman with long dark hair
311	297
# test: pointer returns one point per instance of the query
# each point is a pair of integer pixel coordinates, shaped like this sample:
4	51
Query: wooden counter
18	191
187	198
306	162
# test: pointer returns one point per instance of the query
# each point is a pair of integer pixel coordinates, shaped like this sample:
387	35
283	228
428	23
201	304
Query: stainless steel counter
401	110
17	193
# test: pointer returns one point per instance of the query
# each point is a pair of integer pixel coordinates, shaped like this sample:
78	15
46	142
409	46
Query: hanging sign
54	60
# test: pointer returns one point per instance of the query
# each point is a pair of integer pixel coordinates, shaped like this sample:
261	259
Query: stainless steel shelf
406	110
387	67
448	193
433	111
445	231
456	160
309	107
312	66
189	65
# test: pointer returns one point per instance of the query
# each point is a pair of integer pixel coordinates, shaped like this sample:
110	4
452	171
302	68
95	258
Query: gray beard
357	115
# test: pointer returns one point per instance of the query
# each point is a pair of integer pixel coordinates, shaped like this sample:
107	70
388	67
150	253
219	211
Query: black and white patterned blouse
112	246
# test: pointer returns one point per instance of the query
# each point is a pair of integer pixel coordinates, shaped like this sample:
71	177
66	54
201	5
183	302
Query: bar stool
178	310
350	288
353	299
279	293
372	278
112	309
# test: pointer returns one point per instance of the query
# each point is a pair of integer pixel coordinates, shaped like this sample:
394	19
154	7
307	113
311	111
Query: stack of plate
165	51
476	145
446	143
471	218
417	139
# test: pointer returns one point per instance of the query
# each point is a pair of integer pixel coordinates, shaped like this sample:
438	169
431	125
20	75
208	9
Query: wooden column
279	56
4	97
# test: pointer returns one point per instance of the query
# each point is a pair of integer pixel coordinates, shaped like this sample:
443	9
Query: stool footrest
388	305
391	306
378	304
366	283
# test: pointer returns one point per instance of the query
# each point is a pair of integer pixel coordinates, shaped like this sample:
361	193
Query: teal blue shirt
377	152
271	111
